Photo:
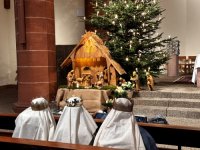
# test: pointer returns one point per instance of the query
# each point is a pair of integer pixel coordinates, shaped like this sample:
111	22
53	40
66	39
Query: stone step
193	113
167	94
167	102
179	112
183	121
149	111
151	101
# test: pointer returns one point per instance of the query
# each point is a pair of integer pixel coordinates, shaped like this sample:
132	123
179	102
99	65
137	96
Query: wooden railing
24	144
162	133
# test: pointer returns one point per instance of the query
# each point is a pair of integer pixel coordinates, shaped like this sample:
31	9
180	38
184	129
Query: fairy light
96	4
143	24
116	16
104	5
113	22
127	59
120	25
143	13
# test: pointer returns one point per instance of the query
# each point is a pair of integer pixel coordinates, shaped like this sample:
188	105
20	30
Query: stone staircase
179	108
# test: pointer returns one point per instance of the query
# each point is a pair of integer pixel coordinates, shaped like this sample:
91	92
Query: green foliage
108	87
128	28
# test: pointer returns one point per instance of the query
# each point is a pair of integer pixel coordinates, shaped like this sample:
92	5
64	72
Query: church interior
56	66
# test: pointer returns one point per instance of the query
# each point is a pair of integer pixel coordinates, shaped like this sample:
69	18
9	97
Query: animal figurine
121	81
100	78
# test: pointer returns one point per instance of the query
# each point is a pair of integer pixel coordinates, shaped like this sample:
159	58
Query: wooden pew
5	132
162	133
24	144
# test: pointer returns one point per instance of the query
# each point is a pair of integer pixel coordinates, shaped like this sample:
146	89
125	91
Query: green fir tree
129	29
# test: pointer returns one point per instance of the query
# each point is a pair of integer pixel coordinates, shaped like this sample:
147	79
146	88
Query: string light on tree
120	25
127	34
96	4
127	59
116	16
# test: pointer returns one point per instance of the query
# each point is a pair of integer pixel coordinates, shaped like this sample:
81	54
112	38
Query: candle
77	85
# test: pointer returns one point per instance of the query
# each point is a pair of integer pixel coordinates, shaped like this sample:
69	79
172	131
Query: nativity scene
92	63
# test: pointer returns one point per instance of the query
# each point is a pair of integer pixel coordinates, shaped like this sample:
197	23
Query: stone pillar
198	77
172	66
36	55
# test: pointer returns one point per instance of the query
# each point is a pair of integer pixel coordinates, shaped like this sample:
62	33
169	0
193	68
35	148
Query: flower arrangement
120	92
127	86
123	90
108	103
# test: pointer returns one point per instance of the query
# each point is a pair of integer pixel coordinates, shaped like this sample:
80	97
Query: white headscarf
35	122
119	129
75	124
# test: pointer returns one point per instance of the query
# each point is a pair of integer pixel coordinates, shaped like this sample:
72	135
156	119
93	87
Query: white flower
127	86
119	89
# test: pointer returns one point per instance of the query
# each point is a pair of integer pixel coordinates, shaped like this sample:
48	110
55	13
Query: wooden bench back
24	144
162	133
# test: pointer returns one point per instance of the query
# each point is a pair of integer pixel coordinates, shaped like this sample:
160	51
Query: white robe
120	130
36	125
75	126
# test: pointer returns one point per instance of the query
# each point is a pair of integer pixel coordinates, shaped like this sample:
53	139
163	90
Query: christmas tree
129	29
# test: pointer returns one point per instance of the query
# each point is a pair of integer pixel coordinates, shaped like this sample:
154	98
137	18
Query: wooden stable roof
91	46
